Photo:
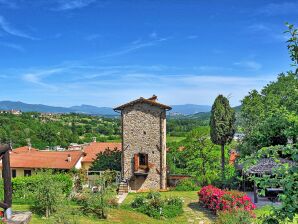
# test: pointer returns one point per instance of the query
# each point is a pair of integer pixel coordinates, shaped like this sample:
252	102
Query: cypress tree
222	128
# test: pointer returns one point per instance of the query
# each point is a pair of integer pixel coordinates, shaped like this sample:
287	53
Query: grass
193	212
171	139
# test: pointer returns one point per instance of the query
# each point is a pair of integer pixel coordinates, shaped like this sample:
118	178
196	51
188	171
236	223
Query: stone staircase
123	187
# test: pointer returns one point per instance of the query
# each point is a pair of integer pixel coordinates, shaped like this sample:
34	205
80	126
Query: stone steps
123	187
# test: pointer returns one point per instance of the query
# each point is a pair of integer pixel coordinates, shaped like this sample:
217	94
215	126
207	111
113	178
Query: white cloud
251	65
8	3
12	46
73	4
9	29
92	84
281	8
135	45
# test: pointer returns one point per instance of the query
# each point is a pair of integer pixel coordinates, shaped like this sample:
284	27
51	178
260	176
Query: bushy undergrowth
187	185
24	187
154	206
235	216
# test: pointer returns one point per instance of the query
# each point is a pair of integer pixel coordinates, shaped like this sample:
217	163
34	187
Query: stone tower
144	143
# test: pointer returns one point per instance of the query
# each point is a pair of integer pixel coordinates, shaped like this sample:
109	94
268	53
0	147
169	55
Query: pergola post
6	173
255	193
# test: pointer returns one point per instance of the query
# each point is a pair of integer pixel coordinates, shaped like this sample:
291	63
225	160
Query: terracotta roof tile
44	159
151	101
24	149
96	147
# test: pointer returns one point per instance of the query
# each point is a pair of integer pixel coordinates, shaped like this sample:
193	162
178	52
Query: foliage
58	129
24	187
47	195
188	184
154	206
284	176
222	126
201	155
197	156
180	125
269	117
97	203
216	199
235	216
107	160
293	43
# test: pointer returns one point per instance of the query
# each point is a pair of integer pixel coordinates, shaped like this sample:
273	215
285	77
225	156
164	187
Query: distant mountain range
186	109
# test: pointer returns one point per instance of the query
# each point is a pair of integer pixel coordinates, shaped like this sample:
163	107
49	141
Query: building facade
144	144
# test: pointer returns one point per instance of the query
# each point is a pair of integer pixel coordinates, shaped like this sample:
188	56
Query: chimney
29	144
153	98
68	158
94	139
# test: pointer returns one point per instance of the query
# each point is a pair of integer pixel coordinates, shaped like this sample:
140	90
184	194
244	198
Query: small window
143	160
27	173
13	173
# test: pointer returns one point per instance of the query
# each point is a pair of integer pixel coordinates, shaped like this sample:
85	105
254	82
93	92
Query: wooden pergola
265	166
6	174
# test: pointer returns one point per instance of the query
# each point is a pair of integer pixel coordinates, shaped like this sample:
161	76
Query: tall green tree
222	126
107	160
200	154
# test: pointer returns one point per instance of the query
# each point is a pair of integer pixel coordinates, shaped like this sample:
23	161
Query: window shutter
136	162
146	159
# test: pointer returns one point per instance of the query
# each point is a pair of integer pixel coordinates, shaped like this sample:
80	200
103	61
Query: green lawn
193	213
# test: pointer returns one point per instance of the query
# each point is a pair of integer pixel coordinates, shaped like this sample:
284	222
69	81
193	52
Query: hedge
22	187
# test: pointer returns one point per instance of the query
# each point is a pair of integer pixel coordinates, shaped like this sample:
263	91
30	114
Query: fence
94	176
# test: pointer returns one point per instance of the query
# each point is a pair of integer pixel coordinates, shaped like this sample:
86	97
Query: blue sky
106	52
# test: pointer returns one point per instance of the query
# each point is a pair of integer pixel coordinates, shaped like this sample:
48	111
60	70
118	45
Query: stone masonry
144	132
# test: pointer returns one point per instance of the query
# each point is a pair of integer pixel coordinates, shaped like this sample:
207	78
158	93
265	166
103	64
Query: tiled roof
151	101
266	165
24	149
96	147
44	159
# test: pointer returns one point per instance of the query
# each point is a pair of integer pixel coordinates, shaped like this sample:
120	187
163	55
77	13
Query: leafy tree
293	43
107	160
201	154
48	195
222	126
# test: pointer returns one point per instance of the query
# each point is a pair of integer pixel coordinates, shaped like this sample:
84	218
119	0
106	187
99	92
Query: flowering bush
216	199
155	206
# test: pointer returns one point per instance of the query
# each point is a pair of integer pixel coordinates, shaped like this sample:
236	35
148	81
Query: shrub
187	184
235	216
216	199
97	203
23	187
154	206
153	194
47	196
139	201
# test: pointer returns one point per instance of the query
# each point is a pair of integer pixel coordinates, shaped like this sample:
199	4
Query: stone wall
144	130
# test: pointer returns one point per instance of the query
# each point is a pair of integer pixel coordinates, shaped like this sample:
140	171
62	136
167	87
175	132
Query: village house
143	144
25	160
92	149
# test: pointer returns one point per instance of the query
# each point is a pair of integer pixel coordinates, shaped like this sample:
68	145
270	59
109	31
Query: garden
215	191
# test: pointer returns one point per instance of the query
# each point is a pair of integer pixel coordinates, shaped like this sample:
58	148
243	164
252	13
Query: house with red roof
92	149
25	160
